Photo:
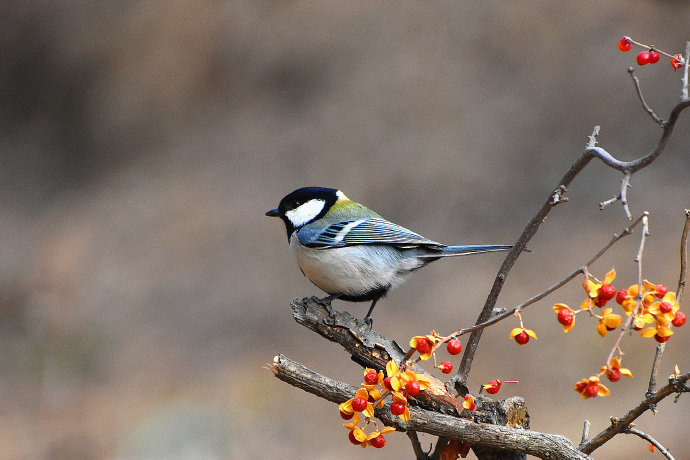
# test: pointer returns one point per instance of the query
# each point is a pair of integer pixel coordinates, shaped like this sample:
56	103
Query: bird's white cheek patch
305	212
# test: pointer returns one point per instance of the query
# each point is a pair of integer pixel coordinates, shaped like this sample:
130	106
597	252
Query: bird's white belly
352	270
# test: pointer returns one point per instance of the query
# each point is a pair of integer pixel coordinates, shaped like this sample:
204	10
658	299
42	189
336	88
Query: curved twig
664	451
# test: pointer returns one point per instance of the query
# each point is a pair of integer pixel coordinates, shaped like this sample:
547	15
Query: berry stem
651	47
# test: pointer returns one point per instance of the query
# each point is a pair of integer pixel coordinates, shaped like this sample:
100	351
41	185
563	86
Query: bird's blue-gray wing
363	231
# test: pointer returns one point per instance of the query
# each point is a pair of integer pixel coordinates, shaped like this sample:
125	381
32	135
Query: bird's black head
305	205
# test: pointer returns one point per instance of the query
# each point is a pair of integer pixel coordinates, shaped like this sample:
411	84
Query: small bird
352	253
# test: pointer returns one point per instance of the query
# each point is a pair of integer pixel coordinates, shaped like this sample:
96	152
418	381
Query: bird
352	253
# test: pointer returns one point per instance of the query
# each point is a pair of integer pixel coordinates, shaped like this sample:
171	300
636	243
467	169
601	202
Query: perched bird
352	253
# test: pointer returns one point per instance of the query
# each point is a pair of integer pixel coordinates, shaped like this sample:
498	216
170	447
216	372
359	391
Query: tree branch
542	445
591	151
654	442
676	385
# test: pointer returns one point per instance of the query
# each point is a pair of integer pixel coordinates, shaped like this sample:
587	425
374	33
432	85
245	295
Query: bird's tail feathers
470	249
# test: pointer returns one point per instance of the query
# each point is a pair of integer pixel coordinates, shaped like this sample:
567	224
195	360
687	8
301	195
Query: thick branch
542	445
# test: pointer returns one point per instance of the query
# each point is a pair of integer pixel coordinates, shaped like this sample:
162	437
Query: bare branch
646	107
656	443
626	167
682	278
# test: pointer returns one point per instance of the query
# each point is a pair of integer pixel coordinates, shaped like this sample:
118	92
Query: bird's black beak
273	213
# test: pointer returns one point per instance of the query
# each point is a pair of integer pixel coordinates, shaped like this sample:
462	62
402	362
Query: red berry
592	389
397	408
624	44
661	290
661	339
371	378
566	317
665	307
412	388
680	319
676	61
353	440
613	375
378	442
454	347
653	56
359	404
643	58
346	416
495	386
387	384
600	301
522	338
424	345
446	367
620	297
580	386
607	291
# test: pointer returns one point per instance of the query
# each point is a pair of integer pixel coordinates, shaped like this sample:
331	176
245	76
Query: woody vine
398	392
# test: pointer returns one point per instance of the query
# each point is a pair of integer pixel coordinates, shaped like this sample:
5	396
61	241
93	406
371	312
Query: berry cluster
651	308
399	384
650	55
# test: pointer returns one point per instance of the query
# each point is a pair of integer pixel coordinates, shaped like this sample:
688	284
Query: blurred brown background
142	290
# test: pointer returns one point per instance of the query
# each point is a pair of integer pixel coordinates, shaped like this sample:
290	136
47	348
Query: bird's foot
332	313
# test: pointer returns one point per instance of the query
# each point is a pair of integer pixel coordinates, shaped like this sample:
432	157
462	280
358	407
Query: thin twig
654	442
646	107
417	446
585	432
616	237
682	277
638	259
625	183
684	81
